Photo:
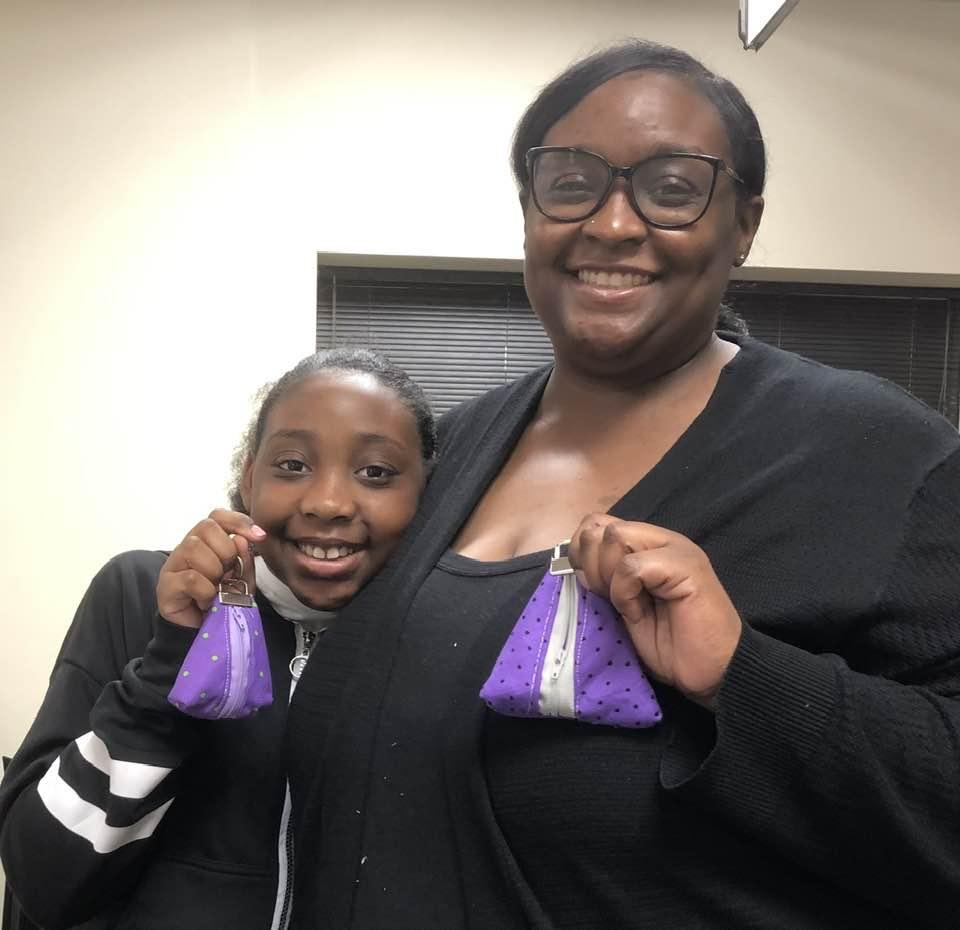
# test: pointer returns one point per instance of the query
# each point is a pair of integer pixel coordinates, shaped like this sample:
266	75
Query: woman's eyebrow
665	148
669	148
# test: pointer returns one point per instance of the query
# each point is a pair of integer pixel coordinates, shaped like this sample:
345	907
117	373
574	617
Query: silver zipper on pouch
557	686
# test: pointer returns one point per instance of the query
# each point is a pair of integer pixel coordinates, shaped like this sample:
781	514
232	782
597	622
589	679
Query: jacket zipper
284	918
281	914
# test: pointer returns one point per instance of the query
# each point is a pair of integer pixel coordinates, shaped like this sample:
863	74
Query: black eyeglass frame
626	172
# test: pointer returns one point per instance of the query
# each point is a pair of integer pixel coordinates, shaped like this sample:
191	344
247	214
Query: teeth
613	279
326	553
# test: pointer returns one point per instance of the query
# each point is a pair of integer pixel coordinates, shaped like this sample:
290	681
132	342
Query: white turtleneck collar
285	602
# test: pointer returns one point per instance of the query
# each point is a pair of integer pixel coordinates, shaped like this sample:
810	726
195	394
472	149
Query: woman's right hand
190	578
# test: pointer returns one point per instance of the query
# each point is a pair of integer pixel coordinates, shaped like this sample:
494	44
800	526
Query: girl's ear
246	484
427	472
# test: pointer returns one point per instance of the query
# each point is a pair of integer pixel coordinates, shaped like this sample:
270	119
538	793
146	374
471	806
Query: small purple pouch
227	671
570	655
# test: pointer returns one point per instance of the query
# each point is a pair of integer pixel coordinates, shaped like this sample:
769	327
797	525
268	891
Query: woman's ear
749	214
524	197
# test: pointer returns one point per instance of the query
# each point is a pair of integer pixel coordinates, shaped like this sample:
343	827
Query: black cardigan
829	504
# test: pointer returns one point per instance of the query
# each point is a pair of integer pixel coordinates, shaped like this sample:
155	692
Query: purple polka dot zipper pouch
226	673
569	655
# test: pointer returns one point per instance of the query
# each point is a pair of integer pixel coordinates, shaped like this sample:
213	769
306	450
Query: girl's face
334	484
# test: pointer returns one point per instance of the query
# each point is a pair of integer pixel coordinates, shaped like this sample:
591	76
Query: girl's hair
345	359
565	91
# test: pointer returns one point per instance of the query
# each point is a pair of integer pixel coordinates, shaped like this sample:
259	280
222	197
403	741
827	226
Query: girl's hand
682	623
191	575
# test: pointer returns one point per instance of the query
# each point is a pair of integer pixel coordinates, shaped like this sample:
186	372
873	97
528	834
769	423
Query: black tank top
576	805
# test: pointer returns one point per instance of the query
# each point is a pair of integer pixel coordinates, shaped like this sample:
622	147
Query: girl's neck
285	602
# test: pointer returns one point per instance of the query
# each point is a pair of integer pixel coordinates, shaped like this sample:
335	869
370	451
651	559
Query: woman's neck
578	394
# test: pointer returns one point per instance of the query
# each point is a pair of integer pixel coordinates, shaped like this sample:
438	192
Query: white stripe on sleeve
127	779
87	820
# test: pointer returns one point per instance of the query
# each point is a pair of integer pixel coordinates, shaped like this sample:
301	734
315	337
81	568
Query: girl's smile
332	560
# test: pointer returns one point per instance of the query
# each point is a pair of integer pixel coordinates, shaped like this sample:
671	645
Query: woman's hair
346	359
565	91
729	321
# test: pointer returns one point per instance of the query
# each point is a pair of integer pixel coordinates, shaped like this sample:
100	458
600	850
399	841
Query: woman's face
655	319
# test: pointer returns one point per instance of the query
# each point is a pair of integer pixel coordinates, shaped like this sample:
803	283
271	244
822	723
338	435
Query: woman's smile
613	287
625	279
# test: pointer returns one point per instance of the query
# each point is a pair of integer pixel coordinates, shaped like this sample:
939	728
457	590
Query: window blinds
459	333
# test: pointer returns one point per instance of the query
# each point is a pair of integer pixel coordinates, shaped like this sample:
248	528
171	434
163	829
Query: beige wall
169	168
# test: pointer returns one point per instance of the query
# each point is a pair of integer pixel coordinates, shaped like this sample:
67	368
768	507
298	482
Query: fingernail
258	530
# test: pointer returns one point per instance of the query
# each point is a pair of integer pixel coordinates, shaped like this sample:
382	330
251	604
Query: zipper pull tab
305	640
234	590
560	563
297	664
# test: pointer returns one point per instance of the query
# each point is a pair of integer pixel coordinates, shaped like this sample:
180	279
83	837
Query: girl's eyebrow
309	435
379	437
291	434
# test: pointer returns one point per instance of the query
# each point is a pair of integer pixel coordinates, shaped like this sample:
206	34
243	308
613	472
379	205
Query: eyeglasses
667	191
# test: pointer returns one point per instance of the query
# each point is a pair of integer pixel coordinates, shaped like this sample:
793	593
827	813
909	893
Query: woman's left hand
682	623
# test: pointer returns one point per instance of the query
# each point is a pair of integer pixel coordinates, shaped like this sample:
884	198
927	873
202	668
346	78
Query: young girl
121	810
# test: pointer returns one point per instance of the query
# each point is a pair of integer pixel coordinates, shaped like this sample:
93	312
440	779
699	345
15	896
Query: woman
778	536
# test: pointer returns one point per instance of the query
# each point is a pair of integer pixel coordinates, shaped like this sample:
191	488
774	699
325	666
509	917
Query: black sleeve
82	798
851	766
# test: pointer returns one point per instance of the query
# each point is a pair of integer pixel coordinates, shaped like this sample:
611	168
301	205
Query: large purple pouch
569	655
227	671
